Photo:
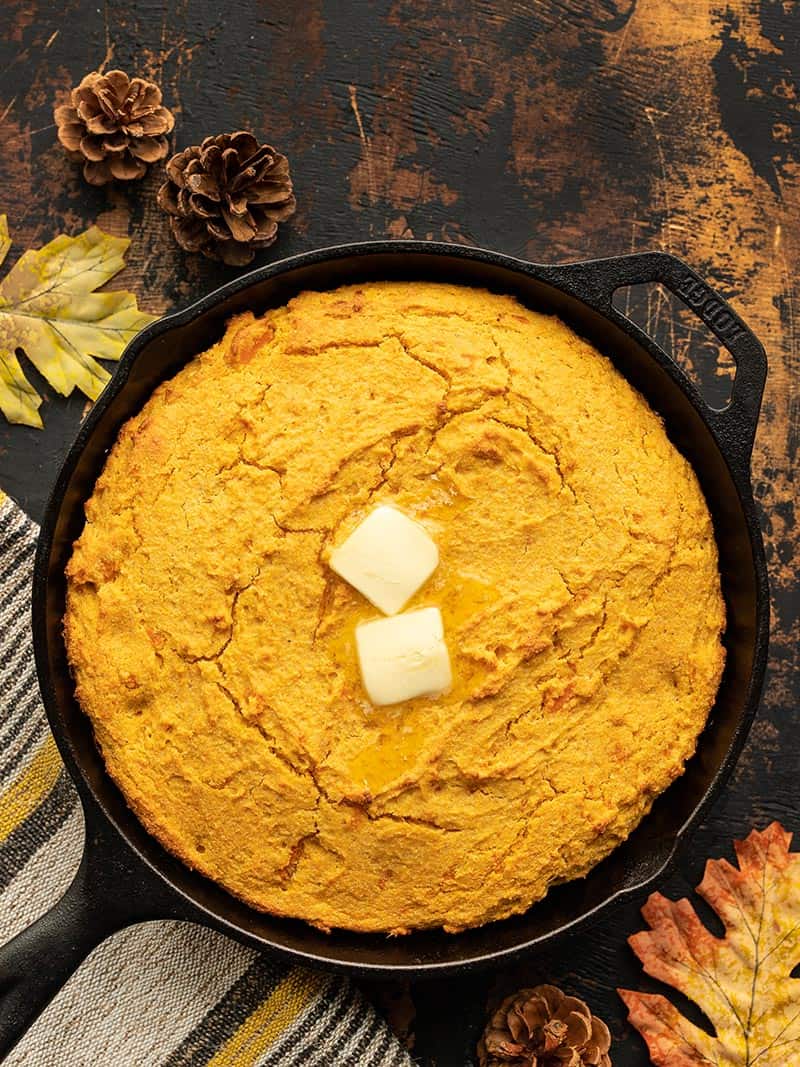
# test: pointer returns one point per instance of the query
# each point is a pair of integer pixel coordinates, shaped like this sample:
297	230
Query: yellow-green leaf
5	240
19	401
743	980
49	310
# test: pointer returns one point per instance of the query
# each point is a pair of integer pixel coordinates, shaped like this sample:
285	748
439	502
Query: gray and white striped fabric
164	994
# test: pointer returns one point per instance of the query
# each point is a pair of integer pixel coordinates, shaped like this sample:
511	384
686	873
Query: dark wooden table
549	129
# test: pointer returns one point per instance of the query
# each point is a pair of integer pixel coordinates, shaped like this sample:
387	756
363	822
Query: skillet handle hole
684	337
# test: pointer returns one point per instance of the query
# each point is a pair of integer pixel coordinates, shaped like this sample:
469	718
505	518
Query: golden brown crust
212	647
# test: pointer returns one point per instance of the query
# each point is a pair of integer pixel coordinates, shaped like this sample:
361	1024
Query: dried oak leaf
50	311
742	980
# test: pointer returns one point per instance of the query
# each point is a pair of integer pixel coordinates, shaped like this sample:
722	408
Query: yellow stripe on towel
26	792
269	1020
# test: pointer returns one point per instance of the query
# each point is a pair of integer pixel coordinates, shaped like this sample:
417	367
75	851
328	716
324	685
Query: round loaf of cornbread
213	647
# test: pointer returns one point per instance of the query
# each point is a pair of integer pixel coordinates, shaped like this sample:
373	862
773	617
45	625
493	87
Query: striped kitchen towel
169	994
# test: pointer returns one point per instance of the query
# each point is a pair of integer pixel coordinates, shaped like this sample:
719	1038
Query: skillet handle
111	890
735	425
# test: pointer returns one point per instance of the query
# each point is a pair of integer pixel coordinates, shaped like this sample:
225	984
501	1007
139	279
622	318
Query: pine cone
226	197
116	124
543	1027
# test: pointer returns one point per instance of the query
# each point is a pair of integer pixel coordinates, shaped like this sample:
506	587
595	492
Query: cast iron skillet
126	877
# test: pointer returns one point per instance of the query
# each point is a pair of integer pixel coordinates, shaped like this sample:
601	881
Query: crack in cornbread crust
212	646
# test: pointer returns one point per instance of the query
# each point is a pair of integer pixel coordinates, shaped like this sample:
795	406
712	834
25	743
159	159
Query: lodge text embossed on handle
709	307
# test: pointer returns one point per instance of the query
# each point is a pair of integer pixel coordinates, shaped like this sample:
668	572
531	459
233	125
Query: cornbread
213	646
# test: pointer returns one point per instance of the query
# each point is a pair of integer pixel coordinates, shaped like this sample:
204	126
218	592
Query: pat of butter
403	656
387	558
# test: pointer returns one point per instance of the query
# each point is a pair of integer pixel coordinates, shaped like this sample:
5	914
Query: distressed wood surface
548	129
